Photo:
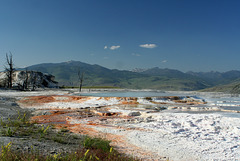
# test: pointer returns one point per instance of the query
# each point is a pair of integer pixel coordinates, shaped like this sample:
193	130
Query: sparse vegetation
7	154
96	143
90	149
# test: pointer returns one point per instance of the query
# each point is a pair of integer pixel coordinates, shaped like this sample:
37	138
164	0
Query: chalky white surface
190	136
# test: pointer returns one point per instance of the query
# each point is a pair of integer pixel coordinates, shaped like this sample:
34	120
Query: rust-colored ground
38	100
61	119
85	121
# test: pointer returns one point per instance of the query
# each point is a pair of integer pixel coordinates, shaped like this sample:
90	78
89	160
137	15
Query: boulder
134	114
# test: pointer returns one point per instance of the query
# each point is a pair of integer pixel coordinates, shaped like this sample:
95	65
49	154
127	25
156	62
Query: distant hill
220	82
171	73
66	73
217	78
233	87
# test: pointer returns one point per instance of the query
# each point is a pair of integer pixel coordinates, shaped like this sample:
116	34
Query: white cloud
135	54
105	47
150	46
164	61
114	47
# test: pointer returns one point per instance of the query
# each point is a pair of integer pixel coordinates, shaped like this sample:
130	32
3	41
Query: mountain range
66	73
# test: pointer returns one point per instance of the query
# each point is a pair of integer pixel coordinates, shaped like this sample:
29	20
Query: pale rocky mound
31	79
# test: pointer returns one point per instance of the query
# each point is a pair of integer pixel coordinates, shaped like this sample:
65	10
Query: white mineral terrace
181	136
177	136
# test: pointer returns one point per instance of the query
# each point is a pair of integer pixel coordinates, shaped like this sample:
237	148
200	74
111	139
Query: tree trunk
9	70
80	77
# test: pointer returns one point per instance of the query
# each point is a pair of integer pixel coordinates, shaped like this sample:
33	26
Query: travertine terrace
140	126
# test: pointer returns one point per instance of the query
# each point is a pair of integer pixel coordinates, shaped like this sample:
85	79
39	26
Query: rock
134	114
14	104
150	120
152	111
11	104
172	107
53	151
160	108
106	113
41	112
27	149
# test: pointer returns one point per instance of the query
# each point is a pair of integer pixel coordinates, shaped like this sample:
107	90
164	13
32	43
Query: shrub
96	143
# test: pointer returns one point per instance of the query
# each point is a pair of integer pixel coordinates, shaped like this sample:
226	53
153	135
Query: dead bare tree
29	80
80	78
9	70
25	83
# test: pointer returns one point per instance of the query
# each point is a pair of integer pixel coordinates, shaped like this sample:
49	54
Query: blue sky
188	35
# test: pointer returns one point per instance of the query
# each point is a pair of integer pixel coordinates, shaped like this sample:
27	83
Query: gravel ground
10	109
